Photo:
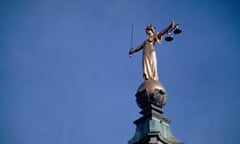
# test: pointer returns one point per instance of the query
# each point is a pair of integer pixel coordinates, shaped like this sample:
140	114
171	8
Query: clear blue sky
66	78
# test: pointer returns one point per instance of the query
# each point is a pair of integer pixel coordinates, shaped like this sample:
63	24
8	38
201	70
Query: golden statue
149	59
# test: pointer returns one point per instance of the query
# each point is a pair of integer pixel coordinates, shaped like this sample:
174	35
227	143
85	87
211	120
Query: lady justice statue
149	60
151	96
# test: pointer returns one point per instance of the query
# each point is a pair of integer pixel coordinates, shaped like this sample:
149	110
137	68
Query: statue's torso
148	48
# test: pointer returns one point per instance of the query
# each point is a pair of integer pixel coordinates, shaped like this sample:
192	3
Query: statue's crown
150	27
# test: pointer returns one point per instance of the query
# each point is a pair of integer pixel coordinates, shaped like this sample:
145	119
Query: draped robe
149	58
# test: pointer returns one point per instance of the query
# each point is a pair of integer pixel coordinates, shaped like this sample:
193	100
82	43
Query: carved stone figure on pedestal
149	65
149	59
151	96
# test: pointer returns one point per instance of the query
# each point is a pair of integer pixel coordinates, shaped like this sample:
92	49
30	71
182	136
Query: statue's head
150	27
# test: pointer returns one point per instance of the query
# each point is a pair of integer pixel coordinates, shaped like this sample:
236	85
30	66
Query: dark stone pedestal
153	128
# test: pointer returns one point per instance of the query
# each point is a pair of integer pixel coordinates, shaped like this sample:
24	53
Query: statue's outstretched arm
166	30
132	51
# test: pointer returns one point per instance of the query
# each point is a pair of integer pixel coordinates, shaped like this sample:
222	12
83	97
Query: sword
131	41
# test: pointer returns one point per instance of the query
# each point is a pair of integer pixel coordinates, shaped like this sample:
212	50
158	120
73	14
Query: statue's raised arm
166	30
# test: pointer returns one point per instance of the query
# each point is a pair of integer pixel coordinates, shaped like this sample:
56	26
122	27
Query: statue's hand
173	24
130	52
